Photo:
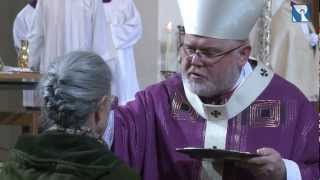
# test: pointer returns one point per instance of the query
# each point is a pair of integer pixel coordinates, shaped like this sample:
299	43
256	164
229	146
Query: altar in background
27	117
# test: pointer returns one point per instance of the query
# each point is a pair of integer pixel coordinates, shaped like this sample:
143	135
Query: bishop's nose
196	60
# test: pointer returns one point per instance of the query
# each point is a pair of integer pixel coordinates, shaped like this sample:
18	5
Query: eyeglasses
207	55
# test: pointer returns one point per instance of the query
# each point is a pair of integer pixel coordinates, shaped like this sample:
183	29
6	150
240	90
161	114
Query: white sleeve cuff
292	169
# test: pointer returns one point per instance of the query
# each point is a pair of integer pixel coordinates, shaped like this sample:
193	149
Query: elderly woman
76	99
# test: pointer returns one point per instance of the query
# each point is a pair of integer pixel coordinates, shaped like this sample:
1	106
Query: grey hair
73	88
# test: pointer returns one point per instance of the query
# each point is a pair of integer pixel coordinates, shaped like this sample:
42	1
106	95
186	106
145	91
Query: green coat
59	156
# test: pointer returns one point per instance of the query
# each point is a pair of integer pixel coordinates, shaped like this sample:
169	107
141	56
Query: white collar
251	85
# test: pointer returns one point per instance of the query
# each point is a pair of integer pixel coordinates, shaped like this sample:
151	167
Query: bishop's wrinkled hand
267	166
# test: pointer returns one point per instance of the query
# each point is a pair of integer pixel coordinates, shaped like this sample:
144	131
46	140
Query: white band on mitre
221	19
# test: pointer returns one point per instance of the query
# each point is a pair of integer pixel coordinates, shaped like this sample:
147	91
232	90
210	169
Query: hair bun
73	87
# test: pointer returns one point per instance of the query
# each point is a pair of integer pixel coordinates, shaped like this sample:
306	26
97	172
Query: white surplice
22	25
126	28
61	26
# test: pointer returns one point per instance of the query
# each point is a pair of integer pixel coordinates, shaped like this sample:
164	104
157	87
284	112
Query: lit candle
168	45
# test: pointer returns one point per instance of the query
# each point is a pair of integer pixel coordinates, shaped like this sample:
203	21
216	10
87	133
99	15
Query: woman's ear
102	113
103	109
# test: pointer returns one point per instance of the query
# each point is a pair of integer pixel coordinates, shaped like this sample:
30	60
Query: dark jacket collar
72	153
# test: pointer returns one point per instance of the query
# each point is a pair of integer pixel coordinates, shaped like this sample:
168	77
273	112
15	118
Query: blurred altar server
61	26
22	23
126	28
294	53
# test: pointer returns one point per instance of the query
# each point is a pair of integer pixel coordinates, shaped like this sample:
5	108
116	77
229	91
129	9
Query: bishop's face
212	66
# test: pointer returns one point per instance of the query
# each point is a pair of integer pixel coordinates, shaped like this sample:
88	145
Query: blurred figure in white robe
126	28
294	53
61	26
22	24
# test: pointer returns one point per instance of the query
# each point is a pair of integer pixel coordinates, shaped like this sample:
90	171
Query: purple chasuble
33	3
160	119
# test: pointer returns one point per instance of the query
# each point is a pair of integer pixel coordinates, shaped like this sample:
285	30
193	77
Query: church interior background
161	38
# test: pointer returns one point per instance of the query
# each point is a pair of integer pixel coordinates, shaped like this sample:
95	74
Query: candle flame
169	26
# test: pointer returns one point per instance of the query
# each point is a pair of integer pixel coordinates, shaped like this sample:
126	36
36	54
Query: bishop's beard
214	85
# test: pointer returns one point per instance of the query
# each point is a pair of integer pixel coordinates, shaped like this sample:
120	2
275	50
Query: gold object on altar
23	56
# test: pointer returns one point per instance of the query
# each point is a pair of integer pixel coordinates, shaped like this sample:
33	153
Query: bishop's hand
267	166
